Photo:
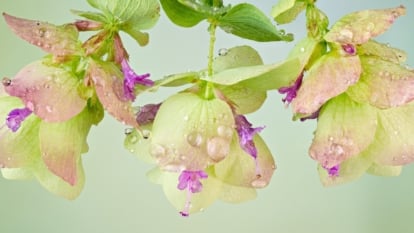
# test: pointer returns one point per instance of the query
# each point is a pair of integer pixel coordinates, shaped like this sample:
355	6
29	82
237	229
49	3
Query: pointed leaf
55	184
285	11
175	80
382	51
50	92
245	98
261	77
98	17
63	143
181	15
383	84
359	27
238	56
345	128
247	21
58	40
330	76
109	88
394	142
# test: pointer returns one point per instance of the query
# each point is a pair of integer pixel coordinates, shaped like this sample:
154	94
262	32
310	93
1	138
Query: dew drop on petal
218	148
302	49
195	139
225	131
146	134
133	139
49	108
157	150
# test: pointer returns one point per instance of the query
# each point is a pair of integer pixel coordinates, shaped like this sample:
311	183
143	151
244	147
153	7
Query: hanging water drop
218	148
223	52
6	81
258	183
128	131
195	139
146	134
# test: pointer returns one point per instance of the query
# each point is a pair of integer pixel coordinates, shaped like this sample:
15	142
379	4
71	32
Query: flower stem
212	30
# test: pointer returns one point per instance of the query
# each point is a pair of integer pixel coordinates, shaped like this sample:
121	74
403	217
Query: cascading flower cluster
199	140
360	92
51	104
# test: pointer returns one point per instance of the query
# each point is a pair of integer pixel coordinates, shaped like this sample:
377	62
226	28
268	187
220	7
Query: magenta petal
50	92
246	134
110	91
16	117
131	79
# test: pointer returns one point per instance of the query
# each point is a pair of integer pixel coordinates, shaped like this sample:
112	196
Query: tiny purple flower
190	180
16	117
246	134
291	91
147	113
131	79
349	49
333	171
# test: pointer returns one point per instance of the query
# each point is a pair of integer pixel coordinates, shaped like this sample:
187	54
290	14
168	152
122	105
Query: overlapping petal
50	92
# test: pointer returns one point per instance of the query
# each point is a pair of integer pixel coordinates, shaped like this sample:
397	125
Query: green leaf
383	84
260	77
176	80
308	50
236	57
98	17
180	14
345	129
245	98
247	21
359	27
330	76
285	11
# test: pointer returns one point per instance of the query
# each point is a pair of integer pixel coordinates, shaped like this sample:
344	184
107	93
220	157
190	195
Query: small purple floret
16	117
191	180
246	134
291	91
349	49
333	171
131	79
147	113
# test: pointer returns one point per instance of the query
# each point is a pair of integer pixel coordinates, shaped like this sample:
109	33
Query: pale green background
117	196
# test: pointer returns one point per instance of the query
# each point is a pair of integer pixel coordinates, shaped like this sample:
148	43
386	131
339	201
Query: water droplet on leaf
6	81
223	52
218	148
195	139
128	131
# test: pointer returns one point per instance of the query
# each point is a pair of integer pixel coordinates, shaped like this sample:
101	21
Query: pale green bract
285	11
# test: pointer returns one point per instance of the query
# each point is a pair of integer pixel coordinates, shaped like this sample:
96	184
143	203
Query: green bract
130	16
243	20
285	11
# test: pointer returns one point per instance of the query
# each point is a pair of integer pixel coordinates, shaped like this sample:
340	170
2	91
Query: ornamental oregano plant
199	140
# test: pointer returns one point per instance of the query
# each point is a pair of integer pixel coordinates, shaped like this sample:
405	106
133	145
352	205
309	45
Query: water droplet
346	34
370	26
49	108
157	150
223	52
302	49
396	132
183	157
259	183
225	131
146	134
201	209
218	148
128	131
186	118
331	138
282	32
6	81
195	139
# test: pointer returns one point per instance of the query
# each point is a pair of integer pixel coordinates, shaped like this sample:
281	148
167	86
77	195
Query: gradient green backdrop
117	196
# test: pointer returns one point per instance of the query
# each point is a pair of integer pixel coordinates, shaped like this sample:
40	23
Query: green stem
212	30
